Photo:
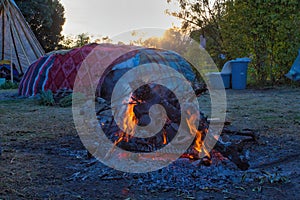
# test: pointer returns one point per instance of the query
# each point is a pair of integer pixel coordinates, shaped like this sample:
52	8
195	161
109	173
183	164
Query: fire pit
137	113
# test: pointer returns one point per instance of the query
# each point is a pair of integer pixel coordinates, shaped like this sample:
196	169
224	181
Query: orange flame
129	125
130	120
120	136
198	146
165	138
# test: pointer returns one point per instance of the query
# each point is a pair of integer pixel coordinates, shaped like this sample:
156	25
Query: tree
267	30
202	17
46	18
82	39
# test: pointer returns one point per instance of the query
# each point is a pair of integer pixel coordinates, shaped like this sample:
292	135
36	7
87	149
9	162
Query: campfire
136	113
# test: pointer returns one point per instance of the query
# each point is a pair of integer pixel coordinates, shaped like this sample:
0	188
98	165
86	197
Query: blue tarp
5	72
294	72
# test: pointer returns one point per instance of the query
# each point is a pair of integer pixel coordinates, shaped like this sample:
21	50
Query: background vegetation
267	31
46	18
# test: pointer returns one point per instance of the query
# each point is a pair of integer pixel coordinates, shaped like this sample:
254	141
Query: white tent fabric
18	44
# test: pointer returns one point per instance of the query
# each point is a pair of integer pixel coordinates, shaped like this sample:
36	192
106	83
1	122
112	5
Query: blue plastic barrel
226	79
239	74
2	81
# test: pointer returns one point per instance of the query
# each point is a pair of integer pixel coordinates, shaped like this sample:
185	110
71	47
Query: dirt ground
42	153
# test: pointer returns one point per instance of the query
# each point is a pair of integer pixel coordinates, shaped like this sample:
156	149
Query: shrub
66	101
46	98
9	85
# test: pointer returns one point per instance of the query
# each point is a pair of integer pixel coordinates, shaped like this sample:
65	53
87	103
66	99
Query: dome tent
58	70
53	71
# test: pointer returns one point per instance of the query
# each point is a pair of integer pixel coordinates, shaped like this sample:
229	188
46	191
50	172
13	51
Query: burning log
232	152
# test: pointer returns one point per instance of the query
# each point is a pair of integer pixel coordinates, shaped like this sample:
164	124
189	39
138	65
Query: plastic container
2	81
216	79
226	79
239	74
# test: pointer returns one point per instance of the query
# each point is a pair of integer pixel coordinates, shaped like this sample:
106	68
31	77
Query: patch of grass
9	85
2	111
11	102
273	119
297	117
32	135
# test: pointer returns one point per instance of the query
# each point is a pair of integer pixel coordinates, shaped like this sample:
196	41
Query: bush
46	98
66	101
9	85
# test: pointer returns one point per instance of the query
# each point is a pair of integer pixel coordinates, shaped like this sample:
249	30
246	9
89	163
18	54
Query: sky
114	17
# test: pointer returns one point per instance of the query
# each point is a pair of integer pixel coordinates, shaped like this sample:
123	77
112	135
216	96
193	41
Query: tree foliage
172	39
267	30
82	39
202	17
46	18
71	41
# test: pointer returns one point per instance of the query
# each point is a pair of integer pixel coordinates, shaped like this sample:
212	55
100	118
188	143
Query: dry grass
31	134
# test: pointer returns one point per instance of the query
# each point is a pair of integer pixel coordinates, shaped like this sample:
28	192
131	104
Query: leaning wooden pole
13	30
11	59
3	34
16	51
